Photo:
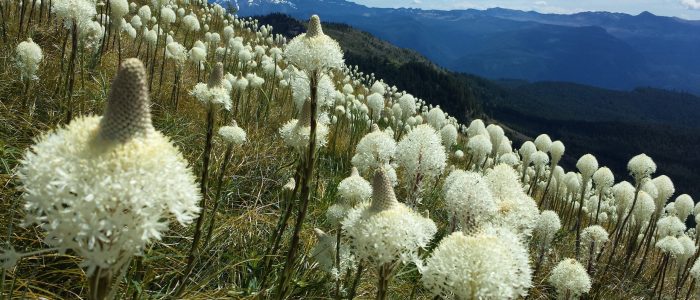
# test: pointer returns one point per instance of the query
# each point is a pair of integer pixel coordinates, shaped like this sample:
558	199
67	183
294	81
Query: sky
686	9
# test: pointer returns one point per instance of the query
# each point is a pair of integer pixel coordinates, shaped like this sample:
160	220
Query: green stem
305	194
217	199
204	186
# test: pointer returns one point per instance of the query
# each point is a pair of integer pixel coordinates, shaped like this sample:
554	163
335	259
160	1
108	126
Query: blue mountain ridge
610	50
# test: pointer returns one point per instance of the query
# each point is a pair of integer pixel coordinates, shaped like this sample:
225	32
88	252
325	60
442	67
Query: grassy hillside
569	101
404	68
83	203
612	140
612	124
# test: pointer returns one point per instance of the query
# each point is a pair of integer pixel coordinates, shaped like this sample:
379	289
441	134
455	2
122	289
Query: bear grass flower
650	188
296	132
239	83
313	50
570	279
213	92
354	189
145	13
468	199
509	159
198	53
557	151
167	16
603	178
515	209
105	187
436	118
408	105
78	11
641	166
476	127
136	22
255	80
324	252
449	135
644	208
689	249
301	91
480	147
623	193
117	10
91	34
670	245
587	165
595	236
496	135
191	22
695	270
378	87
233	134
421	153
664	189
386	231
543	143
669	226
374	150
375	102
684	206
548	224
176	52
28	58
492	264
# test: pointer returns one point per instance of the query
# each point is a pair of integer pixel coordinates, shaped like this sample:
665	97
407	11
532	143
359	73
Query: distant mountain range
610	50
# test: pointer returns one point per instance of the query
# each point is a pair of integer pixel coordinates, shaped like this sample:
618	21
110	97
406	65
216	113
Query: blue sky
687	9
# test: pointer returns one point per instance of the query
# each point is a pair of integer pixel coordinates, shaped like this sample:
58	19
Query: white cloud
541	3
692	4
417	1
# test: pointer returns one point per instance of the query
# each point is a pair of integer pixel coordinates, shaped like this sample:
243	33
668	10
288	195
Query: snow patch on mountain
262	3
